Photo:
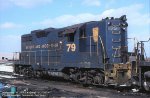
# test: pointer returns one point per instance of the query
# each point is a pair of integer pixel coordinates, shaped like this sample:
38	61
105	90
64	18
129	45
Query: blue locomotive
94	52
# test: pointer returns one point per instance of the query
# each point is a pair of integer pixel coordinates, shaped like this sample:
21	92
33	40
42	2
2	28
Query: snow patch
135	90
6	67
6	76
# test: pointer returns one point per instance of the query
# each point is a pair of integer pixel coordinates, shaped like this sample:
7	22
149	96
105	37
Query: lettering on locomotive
71	47
50	46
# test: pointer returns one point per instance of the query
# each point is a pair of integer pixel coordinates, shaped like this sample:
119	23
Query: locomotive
94	52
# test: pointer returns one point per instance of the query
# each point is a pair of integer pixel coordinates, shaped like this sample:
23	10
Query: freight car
94	52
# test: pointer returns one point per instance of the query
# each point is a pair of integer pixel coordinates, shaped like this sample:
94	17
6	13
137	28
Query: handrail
103	48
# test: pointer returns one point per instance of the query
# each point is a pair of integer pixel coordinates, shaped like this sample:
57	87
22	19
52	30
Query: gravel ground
42	88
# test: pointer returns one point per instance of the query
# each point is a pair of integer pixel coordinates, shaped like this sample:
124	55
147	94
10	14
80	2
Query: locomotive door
88	41
95	45
89	44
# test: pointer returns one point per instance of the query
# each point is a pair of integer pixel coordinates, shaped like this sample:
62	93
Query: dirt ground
39	88
48	88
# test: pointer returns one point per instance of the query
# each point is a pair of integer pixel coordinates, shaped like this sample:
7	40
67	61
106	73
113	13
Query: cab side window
70	34
82	39
70	37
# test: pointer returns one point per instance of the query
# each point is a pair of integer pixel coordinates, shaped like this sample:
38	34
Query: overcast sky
18	17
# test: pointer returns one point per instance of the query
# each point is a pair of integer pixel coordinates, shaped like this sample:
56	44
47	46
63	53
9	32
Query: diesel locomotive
94	52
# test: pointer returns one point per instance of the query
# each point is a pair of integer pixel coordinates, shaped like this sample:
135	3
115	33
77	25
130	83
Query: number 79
71	47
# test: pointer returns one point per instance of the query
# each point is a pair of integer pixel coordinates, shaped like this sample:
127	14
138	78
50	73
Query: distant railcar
93	52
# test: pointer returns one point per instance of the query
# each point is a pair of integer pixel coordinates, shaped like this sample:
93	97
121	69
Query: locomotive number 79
71	47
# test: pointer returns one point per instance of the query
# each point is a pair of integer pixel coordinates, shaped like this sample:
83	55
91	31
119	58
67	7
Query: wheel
16	69
146	85
99	79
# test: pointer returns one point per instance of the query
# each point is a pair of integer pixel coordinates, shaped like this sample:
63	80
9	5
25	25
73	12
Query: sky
18	17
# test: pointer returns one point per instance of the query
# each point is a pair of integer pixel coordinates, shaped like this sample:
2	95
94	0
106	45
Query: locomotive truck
94	52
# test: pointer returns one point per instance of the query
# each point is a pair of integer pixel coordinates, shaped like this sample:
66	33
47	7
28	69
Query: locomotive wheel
24	72
38	74
45	74
16	69
29	72
75	77
78	76
98	79
35	74
146	85
21	70
86	78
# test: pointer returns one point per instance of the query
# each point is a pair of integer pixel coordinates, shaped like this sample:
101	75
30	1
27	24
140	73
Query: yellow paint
68	45
95	34
71	47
